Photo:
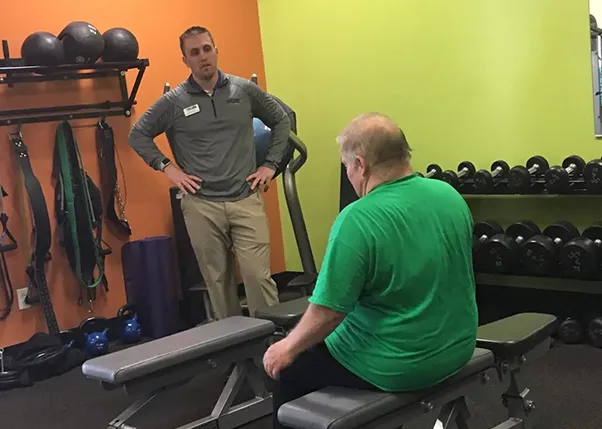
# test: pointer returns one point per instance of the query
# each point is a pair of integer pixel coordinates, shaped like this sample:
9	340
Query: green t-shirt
399	263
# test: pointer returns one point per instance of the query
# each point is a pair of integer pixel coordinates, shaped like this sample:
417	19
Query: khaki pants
221	231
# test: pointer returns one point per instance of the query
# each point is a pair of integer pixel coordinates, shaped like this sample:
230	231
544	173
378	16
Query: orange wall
157	25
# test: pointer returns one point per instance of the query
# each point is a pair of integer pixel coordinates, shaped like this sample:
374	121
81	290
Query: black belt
106	152
5	282
38	288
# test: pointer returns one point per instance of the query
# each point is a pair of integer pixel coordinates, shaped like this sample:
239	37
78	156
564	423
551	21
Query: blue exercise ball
262	138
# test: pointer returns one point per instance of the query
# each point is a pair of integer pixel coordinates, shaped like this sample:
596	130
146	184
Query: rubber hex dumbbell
484	181
558	178
501	253
433	171
481	233
539	254
592	176
520	177
465	171
581	257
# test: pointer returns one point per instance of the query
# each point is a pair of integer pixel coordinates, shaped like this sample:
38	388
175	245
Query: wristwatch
164	163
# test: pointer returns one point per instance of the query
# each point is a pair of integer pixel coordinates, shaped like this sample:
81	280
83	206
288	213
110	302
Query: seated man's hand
277	358
261	177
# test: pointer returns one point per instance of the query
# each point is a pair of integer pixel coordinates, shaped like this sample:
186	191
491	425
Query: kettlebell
130	331
96	342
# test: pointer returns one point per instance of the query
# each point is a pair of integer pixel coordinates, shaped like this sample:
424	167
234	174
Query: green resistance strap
73	185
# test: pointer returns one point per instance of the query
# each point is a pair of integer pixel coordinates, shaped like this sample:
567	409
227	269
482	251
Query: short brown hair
193	31
378	139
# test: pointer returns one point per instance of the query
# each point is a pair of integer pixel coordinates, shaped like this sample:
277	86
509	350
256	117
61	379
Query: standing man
208	121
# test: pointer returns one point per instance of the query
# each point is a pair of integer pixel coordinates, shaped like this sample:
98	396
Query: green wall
468	79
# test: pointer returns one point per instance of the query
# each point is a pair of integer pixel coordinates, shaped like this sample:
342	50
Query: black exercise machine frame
15	71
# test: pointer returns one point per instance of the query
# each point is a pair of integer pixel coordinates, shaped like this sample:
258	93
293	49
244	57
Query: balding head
377	140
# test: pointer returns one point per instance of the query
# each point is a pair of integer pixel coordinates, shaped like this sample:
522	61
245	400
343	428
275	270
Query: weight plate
563	230
570	331
594	331
469	166
525	229
500	254
579	258
519	179
487	228
577	160
592	175
537	255
433	170
482	180
541	162
501	164
557	179
450	177
593	232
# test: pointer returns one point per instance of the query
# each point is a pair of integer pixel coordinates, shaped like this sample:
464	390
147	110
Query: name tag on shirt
191	110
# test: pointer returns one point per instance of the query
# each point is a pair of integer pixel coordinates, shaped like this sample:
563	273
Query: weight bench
235	345
502	348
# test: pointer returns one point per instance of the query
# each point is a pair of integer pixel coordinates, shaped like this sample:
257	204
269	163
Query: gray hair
376	138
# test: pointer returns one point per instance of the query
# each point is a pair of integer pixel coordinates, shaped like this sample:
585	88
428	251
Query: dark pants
313	370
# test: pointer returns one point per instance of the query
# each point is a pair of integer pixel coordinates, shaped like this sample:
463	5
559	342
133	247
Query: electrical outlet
22	294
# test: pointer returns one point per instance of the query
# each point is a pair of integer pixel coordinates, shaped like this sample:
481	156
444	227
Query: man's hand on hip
261	177
186	182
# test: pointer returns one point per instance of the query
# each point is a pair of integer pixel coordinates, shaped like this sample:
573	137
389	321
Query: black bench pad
516	335
339	407
196	343
285	314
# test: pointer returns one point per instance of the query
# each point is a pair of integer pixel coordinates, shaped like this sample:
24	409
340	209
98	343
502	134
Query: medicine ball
120	45
82	42
261	133
42	49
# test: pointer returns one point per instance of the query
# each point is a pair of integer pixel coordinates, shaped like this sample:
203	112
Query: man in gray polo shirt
208	121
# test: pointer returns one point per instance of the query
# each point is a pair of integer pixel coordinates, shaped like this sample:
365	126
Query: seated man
394	306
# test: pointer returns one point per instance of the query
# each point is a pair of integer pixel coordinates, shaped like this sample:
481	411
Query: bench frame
240	362
502	379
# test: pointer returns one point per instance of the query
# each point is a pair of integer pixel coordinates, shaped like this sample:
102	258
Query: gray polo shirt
211	135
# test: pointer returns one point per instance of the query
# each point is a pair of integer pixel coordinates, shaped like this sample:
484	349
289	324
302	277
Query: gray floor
566	386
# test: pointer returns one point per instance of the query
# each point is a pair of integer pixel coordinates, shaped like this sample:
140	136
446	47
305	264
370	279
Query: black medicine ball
42	49
82	42
120	45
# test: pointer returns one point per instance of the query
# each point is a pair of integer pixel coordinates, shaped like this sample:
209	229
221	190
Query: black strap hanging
106	153
38	288
5	246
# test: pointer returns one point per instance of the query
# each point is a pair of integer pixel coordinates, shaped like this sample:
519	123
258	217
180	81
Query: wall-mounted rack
13	71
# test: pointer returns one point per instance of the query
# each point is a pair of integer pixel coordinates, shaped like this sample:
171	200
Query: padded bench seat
146	358
505	340
343	408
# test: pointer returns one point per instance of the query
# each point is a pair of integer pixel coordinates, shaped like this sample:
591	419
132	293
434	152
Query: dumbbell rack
542	283
571	178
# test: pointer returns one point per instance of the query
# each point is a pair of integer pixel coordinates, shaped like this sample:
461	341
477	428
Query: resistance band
41	234
79	213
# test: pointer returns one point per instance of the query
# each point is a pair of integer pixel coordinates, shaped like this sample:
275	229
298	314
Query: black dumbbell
570	331
482	232
592	176
501	253
433	171
484	180
581	257
539	254
594	331
465	171
558	178
520	177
